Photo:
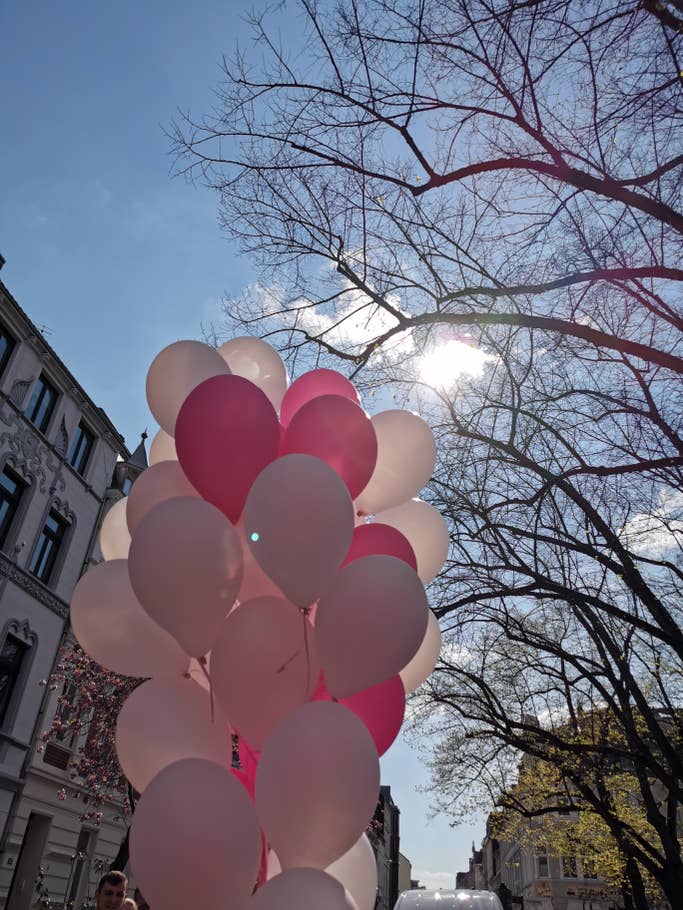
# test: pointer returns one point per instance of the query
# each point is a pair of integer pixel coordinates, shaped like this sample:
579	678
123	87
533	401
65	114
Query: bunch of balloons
266	576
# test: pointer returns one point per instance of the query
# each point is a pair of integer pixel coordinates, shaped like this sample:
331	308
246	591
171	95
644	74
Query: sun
445	363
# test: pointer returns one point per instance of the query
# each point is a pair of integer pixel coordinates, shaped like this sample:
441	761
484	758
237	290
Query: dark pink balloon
312	385
381	708
338	432
226	433
377	539
248	784
248	760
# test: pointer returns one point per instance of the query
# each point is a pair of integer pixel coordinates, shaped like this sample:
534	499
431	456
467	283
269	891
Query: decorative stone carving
22	630
62	443
33	587
19	389
29	453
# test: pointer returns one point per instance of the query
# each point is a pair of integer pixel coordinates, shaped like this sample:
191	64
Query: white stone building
62	465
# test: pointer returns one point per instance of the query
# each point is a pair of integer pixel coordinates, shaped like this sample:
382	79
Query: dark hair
112	878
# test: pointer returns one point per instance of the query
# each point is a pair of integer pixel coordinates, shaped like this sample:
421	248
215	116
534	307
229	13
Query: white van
460	899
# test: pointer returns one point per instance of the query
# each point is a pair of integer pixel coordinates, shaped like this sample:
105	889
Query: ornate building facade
62	465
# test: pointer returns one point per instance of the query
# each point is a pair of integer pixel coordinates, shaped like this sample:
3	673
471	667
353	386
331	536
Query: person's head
140	901
111	891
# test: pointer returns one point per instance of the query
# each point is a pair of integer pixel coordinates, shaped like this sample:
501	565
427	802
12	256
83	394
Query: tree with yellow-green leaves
543	814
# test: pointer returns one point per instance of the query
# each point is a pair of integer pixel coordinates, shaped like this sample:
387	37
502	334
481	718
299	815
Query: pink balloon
377	539
226	433
370	623
303	889
381	708
264	663
195	840
184	724
114	630
312	385
159	482
185	567
338	432
299	522
316	784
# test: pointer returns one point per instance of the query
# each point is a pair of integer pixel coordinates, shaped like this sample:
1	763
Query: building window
11	491
42	403
50	540
6	347
81	447
12	658
588	867
569	868
542	865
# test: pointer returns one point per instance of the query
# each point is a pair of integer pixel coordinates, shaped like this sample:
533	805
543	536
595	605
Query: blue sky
114	257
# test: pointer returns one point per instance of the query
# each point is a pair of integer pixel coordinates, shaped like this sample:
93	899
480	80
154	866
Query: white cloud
654	534
435	881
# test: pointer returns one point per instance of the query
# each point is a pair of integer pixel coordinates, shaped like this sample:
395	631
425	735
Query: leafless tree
507	174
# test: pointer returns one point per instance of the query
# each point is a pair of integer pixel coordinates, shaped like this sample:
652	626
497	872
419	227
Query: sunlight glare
443	365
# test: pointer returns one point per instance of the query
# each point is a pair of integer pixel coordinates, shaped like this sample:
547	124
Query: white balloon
114	534
406	454
259	362
162	448
175	372
427	533
419	668
357	871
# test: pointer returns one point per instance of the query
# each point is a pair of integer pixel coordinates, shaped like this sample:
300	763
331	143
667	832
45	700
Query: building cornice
27	582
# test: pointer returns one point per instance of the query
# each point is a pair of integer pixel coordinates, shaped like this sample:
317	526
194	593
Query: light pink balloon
264	664
162	448
259	362
159	482
165	720
406	454
419	668
302	889
114	630
255	582
426	530
298	519
317	783
174	373
114	534
312	385
195	840
185	567
370	623
357	872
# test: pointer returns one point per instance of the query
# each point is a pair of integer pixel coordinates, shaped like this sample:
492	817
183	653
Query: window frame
57	538
542	855
41	386
7	701
6	335
79	456
14	501
564	861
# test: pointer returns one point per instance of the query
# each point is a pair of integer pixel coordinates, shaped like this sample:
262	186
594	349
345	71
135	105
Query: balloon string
202	663
304	615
